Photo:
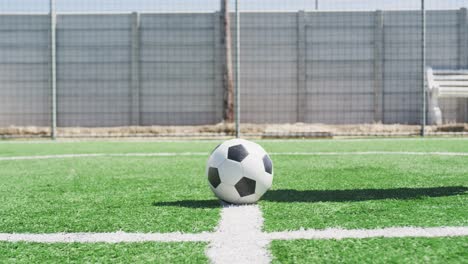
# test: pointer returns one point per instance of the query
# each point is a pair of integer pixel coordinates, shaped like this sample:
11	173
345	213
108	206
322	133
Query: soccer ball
239	171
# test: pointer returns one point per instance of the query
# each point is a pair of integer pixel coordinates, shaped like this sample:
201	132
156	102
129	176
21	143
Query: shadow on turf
313	196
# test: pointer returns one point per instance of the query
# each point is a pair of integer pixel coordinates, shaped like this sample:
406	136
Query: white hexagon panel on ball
239	171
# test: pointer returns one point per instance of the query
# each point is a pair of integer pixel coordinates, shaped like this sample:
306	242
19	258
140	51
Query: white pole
238	79
316	5
423	61
53	68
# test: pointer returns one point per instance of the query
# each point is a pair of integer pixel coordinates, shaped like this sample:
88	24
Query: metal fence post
238	79
462	103
135	66
218	66
423	67
53	68
378	67
301	67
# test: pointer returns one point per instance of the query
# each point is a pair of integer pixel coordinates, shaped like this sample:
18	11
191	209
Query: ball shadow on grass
313	196
198	204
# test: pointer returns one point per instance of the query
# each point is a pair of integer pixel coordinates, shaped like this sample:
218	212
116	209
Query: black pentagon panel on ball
268	164
245	187
237	153
213	177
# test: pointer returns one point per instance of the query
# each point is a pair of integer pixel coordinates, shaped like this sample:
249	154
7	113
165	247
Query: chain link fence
296	68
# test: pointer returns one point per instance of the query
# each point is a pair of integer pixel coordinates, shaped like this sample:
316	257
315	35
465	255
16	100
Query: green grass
103	253
51	148
104	195
169	194
367	192
48	148
376	250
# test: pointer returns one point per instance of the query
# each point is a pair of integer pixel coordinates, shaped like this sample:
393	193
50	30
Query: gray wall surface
166	69
24	70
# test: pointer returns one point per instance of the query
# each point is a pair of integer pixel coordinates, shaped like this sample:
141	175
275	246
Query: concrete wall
178	63
340	67
24	70
269	67
165	69
93	70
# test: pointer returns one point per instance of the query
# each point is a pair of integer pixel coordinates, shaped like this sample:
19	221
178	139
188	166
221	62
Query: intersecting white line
331	233
203	154
239	237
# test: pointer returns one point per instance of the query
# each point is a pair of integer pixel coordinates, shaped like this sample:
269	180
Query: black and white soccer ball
239	171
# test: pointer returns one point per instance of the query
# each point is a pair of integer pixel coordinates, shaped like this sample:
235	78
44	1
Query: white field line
221	236
367	139
239	237
93	155
118	237
364	153
169	154
334	233
156	140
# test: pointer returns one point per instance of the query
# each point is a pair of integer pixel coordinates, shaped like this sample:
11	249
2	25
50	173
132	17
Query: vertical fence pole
228	84
462	103
238	79
316	5
219	88
53	68
423	67
301	99
378	67
135	119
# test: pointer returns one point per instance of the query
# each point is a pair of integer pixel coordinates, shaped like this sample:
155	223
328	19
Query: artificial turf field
170	194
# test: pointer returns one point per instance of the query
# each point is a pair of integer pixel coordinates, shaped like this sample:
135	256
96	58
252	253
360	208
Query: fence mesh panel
307	68
343	67
139	63
24	64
